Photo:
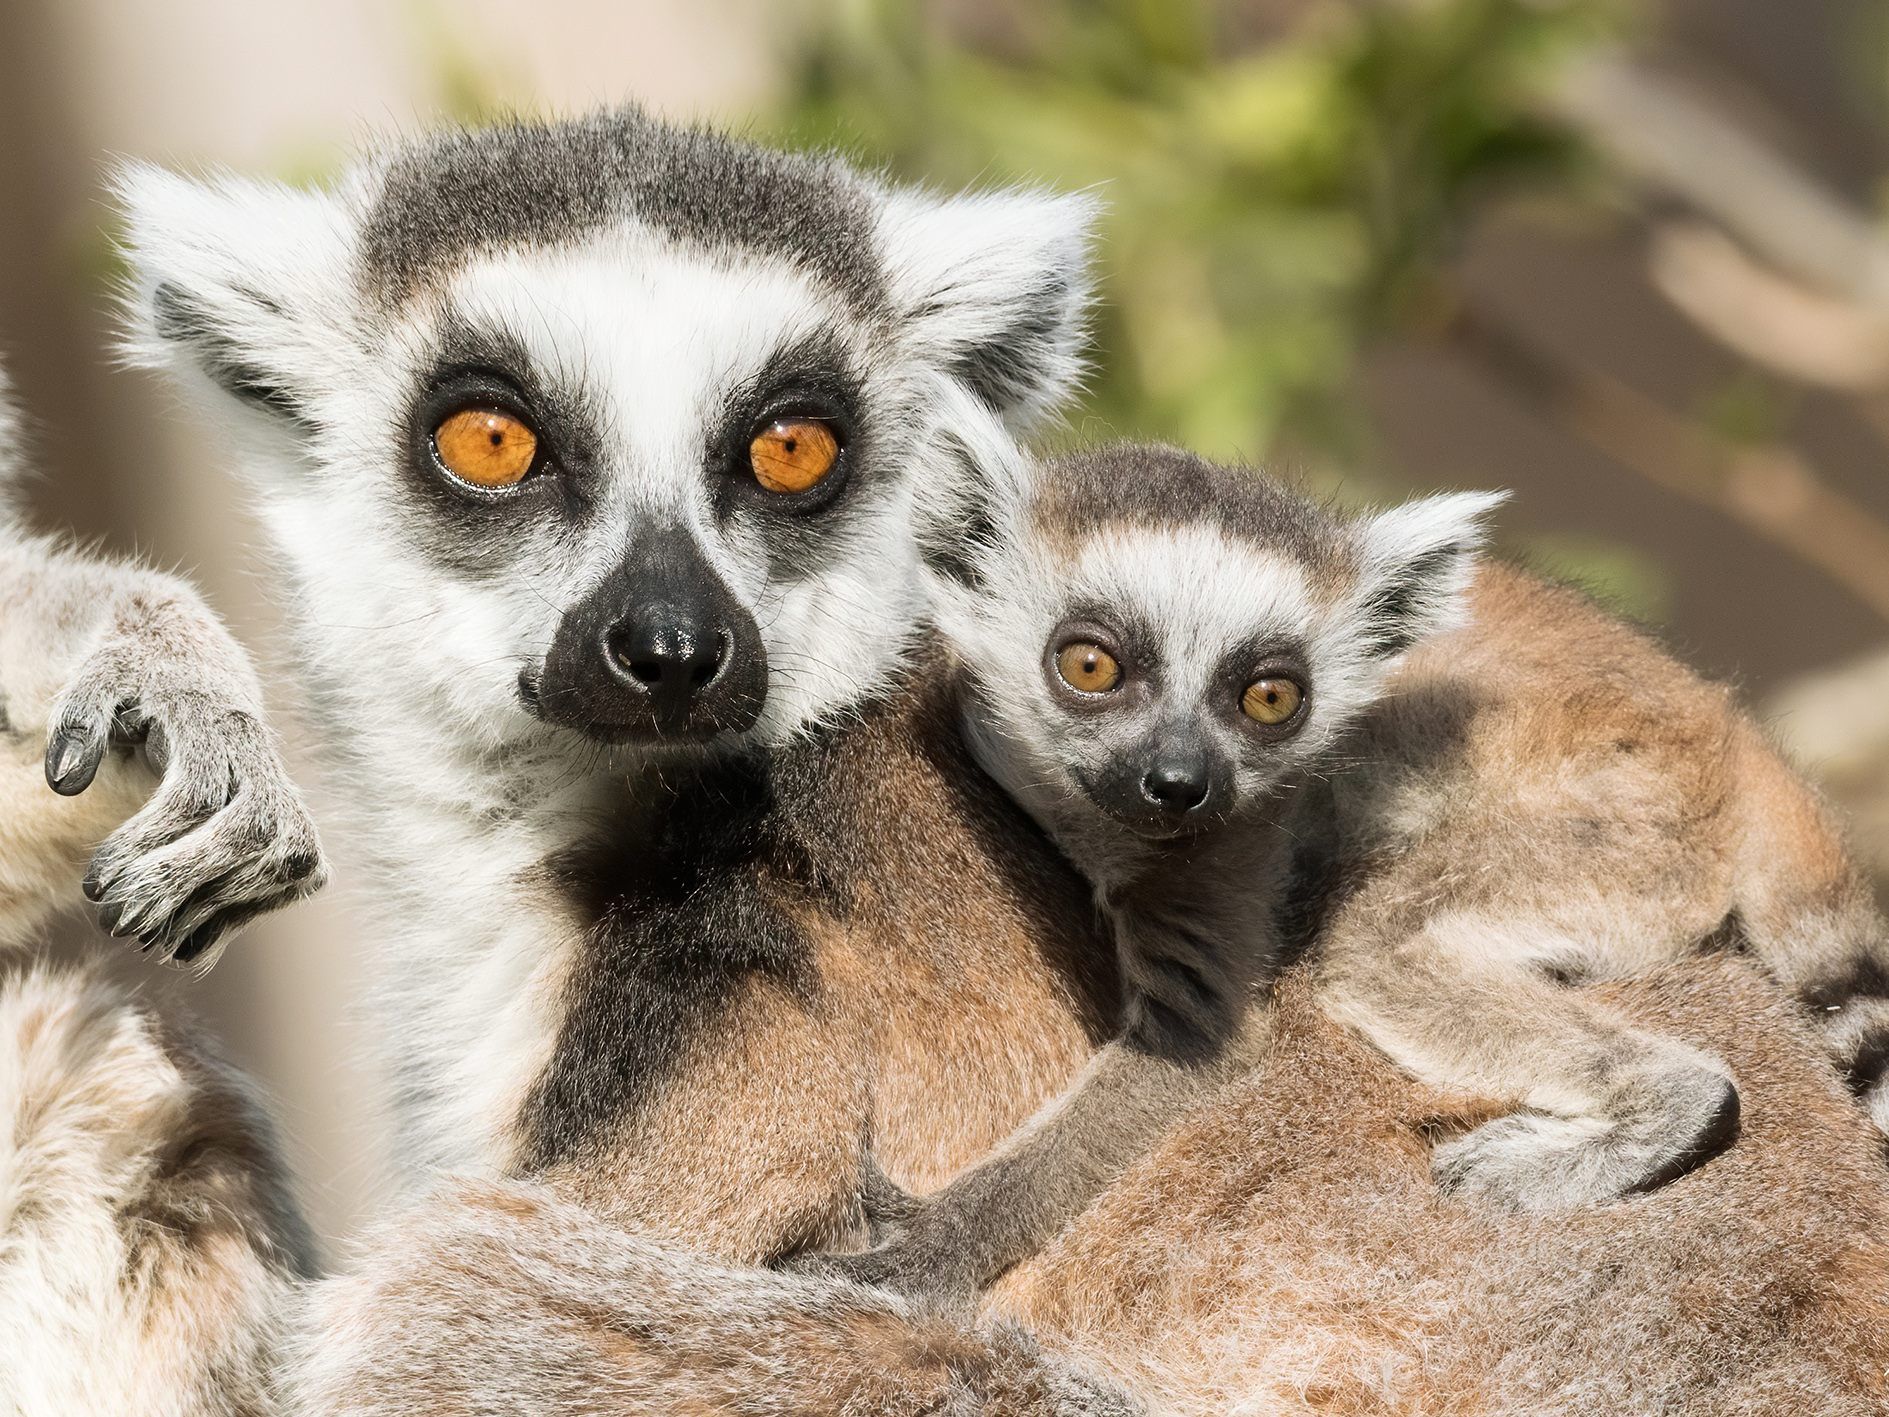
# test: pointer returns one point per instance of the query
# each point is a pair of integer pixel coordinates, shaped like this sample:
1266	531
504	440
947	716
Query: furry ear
994	286
1414	566
241	282
973	497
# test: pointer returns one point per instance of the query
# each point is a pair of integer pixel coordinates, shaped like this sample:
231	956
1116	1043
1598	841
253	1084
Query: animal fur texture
150	1249
687	980
1182	588
148	1239
1548	797
1542	796
122	691
1284	1251
594	932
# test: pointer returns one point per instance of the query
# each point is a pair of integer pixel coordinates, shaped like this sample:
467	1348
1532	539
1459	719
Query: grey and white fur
1205	591
541	659
150	1246
116	680
1541	796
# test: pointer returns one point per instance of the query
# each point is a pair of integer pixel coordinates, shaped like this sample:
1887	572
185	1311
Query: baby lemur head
1159	643
604	431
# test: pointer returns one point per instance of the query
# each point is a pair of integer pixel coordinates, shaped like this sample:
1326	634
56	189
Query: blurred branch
1679	143
1770	490
1766	317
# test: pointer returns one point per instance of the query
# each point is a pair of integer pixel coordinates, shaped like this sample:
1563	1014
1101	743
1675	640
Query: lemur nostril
670	660
707	664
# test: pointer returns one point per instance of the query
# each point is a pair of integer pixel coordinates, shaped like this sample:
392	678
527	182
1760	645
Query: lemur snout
659	651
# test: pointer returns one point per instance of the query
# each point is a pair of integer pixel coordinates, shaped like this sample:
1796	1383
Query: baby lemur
1157	655
1188	674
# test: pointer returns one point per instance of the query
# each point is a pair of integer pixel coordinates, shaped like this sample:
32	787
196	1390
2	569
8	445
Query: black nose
671	654
1176	786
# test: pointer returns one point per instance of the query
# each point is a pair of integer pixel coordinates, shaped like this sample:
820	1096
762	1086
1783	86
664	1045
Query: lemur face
605	428
1165	644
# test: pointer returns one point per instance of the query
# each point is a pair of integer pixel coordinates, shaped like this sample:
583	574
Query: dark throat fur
682	916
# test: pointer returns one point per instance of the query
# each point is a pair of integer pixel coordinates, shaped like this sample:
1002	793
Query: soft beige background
284	87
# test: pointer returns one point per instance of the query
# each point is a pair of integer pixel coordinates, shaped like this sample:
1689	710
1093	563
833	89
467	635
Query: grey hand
226	836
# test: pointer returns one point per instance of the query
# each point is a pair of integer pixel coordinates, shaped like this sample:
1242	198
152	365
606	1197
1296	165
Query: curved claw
73	754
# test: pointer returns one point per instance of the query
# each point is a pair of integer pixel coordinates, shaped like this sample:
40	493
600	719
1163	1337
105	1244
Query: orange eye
793	454
1088	668
1271	701
486	447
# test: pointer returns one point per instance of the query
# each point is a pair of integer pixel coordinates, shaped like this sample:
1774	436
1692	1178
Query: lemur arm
946	1248
97	656
1192	960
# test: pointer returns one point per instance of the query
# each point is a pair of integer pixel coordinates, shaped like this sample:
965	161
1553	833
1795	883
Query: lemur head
1158	643
603	424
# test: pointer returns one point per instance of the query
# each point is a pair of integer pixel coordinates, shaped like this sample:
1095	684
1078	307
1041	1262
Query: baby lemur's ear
995	287
239	282
1415	562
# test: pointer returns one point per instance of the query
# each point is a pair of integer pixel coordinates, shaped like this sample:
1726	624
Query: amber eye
486	447
1088	668
793	454
1271	701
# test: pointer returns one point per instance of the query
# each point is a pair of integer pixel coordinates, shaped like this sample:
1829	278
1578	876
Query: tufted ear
243	283
973	503
1414	567
994	286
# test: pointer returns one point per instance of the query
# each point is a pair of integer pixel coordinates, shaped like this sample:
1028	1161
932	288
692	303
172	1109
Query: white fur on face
1195	599
1202	594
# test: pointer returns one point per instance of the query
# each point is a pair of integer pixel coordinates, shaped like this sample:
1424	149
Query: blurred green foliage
1283	180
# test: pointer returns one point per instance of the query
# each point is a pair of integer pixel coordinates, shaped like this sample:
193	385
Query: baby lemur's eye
1271	701
1088	668
793	454
486	447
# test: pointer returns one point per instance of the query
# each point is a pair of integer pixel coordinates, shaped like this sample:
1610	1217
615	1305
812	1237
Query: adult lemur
148	1240
592	447
1164	656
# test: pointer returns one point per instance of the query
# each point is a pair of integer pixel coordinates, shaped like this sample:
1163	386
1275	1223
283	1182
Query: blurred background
1629	258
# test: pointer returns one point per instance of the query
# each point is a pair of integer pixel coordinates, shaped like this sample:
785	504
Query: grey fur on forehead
462	193
1154	485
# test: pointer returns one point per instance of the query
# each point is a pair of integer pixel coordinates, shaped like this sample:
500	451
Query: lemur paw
1539	1164
917	1261
225	837
1859	1041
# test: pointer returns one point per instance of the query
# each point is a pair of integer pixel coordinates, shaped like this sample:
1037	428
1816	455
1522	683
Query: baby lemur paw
1858	1033
225	837
1539	1164
919	1259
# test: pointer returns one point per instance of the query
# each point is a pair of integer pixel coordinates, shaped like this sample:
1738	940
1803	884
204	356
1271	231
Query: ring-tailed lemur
592	447
149	1243
1159	655
1157	647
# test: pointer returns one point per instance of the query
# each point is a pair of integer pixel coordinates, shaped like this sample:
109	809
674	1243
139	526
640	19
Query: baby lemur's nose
1176	786
671	656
